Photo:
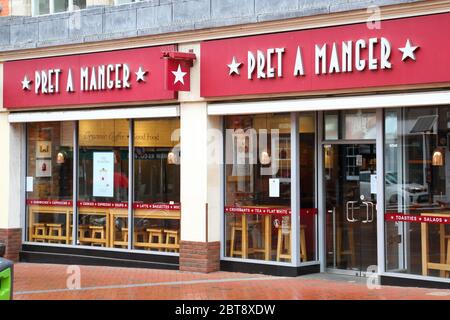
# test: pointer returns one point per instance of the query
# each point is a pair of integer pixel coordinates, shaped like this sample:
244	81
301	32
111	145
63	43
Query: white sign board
29	184
373	183
274	188
103	175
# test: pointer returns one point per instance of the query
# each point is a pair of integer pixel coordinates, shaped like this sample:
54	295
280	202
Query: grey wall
157	17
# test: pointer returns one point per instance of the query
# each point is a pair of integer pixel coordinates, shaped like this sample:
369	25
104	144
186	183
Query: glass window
41	7
60	5
308	209
157	185
103	182
49	181
417	190
350	125
258	187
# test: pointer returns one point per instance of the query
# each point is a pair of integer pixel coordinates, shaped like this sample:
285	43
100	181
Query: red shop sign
401	217
402	52
135	75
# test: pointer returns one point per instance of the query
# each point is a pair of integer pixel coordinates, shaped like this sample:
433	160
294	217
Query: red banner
404	51
401	217
123	76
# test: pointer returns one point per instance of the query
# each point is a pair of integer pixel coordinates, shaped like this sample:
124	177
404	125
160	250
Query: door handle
350	205
371	205
367	211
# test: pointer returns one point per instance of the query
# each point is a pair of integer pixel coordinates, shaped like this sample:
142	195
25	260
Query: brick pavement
46	281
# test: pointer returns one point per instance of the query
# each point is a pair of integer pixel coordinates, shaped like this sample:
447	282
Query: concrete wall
157	17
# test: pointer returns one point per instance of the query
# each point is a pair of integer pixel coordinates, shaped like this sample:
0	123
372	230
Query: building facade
280	137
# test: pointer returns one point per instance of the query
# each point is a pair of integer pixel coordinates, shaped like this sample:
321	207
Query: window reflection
417	190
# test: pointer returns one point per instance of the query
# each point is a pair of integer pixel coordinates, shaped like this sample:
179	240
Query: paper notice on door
274	188
373	183
29	184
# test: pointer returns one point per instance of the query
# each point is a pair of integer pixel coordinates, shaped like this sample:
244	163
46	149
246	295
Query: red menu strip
109	205
401	217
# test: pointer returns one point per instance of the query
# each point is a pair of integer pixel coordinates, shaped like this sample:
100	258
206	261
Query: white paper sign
29	184
103	175
373	183
274	188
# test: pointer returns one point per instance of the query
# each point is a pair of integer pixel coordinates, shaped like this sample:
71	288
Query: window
350	125
417	190
104	204
156	185
308	208
49	181
258	187
41	7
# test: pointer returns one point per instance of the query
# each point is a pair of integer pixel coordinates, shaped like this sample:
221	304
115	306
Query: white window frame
34	10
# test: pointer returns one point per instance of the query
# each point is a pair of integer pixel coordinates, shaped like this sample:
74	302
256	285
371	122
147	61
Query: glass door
350	201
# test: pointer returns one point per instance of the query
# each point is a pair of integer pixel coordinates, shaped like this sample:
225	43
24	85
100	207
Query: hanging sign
402	52
135	75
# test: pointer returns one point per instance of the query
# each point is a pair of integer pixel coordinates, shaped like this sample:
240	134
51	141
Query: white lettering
385	54
250	65
84	79
298	69
373	63
334	61
270	69
261	64
280	52
347	56
359	64
69	86
321	56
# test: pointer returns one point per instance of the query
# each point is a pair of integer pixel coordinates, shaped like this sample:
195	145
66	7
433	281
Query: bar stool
303	255
447	273
124	237
172	237
55	231
284	244
155	234
83	233
39	232
97	236
351	245
235	227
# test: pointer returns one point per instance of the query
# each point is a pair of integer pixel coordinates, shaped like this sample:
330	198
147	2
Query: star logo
234	67
26	83
179	75
140	74
408	51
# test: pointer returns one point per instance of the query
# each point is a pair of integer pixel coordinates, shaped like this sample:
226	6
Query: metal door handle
371	205
367	211
352	207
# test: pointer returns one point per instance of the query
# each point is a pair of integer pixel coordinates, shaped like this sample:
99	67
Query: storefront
308	149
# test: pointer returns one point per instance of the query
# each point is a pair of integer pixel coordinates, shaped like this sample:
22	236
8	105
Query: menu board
103	175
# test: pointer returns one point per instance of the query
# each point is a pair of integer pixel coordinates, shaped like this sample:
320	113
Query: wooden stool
284	243
447	273
97	236
55	232
39	232
235	227
83	233
351	245
172	235
155	233
303	255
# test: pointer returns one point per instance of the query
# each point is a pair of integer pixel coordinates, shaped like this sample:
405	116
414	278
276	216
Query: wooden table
443	265
143	214
54	210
